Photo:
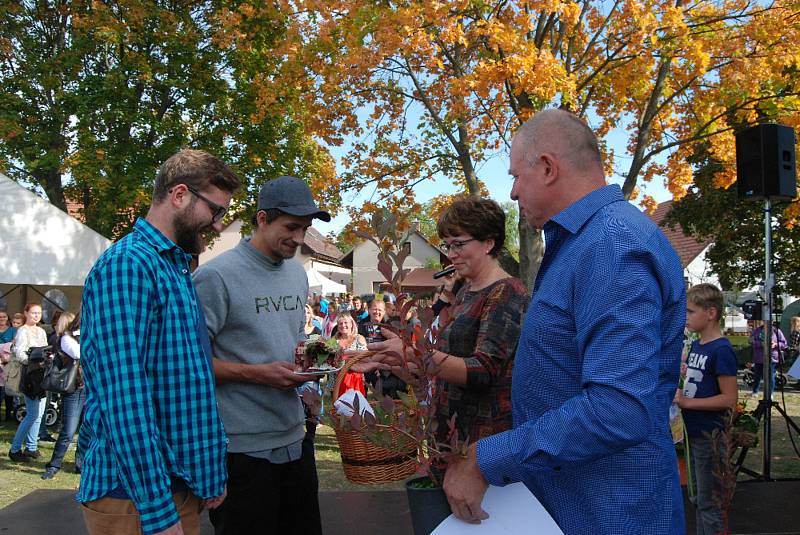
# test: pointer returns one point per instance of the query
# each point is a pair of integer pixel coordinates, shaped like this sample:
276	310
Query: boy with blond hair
709	391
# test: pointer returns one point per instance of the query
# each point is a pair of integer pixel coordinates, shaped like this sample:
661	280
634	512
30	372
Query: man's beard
188	234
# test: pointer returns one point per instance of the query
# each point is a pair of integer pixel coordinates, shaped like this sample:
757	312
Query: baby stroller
749	376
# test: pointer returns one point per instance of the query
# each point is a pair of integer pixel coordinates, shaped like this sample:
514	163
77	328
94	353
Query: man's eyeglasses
455	245
217	211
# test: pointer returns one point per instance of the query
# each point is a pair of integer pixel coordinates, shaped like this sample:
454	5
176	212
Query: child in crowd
18	320
709	391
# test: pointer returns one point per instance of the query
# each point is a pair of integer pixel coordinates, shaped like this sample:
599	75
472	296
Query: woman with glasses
474	356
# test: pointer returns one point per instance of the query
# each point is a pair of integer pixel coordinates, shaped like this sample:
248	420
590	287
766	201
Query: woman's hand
448	283
390	351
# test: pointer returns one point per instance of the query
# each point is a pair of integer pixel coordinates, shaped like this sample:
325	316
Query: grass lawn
17	480
785	463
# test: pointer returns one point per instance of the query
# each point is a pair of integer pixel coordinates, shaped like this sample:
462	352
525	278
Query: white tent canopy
41	245
318	283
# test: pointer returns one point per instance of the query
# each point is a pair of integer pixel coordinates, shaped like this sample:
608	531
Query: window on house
407	247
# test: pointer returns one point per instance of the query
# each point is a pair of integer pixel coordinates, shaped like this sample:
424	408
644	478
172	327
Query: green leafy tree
36	89
512	228
736	229
95	95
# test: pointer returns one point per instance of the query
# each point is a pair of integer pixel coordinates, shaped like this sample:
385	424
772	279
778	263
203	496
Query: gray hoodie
255	313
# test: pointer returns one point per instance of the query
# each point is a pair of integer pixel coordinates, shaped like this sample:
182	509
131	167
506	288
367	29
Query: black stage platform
759	508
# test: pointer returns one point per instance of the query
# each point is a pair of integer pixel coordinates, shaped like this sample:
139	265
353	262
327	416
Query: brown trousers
119	517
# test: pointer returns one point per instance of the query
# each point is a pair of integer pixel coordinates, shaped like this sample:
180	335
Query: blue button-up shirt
151	413
596	370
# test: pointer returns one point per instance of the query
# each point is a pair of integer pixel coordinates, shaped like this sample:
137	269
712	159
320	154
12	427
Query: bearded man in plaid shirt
155	446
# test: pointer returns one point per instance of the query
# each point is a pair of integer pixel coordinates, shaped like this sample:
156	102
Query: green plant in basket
407	427
322	354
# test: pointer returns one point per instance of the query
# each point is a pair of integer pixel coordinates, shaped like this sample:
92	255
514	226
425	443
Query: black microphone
445	272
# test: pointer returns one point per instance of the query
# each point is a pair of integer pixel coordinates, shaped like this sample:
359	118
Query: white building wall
365	261
698	271
227	239
335	272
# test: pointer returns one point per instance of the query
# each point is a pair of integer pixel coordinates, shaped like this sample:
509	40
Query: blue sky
494	173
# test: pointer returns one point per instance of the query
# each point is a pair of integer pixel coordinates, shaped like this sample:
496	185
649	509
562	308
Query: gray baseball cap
291	196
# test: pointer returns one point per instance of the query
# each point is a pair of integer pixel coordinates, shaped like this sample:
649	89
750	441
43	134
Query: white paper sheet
344	405
794	371
512	510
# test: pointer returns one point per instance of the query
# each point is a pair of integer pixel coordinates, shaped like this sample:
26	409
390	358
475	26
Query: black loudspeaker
751	309
765	162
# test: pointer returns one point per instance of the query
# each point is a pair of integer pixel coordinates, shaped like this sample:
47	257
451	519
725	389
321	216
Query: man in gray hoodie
254	297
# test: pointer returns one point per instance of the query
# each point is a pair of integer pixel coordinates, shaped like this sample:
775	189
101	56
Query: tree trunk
531	250
50	180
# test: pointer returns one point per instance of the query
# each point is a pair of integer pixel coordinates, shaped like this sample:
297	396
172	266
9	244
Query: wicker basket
365	463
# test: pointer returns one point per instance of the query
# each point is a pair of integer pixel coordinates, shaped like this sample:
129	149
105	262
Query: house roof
319	245
75	209
687	247
346	259
421	278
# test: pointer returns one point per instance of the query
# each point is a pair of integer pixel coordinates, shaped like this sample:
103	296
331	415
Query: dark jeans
758	374
270	498
9	401
708	515
71	412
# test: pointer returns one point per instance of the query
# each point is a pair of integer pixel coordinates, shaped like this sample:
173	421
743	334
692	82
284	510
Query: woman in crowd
474	356
778	343
7	333
68	336
311	418
28	336
794	341
348	338
310	329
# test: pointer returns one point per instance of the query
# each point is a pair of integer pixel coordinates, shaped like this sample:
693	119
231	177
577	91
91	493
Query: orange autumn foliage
428	88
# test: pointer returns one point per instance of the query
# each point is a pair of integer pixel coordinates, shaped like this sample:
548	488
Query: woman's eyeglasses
455	245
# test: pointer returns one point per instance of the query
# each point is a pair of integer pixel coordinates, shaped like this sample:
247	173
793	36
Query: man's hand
465	486
174	529
278	375
213	503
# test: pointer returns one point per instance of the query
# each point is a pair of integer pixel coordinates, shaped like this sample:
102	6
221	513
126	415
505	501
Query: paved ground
55	512
759	509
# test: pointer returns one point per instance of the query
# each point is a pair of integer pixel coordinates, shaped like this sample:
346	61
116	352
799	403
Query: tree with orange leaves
430	88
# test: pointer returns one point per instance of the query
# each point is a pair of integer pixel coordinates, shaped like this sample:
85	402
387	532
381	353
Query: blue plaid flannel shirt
151	413
596	369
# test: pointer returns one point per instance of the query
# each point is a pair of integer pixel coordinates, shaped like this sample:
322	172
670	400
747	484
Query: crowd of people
188	394
24	335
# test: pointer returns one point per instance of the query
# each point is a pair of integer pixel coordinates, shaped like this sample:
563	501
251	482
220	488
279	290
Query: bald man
599	354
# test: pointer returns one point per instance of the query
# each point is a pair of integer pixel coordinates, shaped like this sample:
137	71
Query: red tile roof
318	245
75	209
421	278
687	247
